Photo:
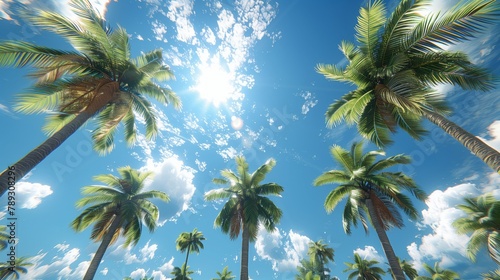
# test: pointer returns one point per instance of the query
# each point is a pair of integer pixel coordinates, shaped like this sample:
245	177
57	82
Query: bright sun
214	85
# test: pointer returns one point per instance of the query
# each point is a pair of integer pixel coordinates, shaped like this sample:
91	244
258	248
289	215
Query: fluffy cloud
370	253
179	12
176	180
30	195
494	133
146	253
60	265
283	250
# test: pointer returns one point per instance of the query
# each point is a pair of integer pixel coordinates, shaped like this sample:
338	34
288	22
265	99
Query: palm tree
438	273
8	271
98	79
371	190
396	63
246	208
182	273
364	269
119	208
4	237
225	274
308	268
492	275
190	241
408	269
483	222
320	254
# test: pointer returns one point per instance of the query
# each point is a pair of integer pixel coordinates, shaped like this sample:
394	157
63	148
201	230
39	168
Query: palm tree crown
226	274
396	63
119	208
371	190
7	271
437	272
246	208
364	269
320	254
190	242
482	221
97	79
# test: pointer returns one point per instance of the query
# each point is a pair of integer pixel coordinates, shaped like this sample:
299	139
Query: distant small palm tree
308	267
9	272
363	269
492	275
437	272
190	242
120	208
320	254
182	273
483	222
247	206
225	274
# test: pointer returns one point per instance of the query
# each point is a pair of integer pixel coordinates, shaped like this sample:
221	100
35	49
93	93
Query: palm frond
370	21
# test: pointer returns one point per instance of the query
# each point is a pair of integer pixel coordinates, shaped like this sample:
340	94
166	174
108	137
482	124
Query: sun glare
214	84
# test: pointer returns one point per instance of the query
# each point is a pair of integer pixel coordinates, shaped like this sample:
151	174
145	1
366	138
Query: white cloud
163	270
139	37
146	253
494	135
179	12
159	29
61	247
30	195
309	103
176	180
104	271
59	267
138	273
283	250
369	253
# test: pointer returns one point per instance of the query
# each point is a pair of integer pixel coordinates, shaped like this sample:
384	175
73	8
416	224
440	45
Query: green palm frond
144	108
262	171
370	21
371	125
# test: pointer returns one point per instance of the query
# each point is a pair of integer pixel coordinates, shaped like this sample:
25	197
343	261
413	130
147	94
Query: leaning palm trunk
106	240
482	150
397	272
33	158
244	253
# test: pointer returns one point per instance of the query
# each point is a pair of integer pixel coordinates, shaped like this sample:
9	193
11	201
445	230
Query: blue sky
260	56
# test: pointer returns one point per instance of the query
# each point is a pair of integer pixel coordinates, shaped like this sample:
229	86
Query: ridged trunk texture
245	241
37	155
106	240
397	272
480	149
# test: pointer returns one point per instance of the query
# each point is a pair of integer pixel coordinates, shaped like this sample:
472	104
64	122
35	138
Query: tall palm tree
492	275
396	63
437	272
246	208
7	271
320	254
373	194
4	237
119	208
190	241
364	269
408	269
308	268
97	79
182	273
482	221
225	274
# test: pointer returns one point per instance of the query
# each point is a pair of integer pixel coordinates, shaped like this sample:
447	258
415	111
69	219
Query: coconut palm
482	221
492	275
397	61
9	271
408	269
182	273
225	274
190	241
437	272
246	208
373	194
363	269
4	237
308	268
320	254
97	79
119	208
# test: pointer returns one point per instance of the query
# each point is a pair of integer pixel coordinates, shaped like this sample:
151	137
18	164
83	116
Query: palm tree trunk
106	240
397	272
186	263
480	149
245	240
35	156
